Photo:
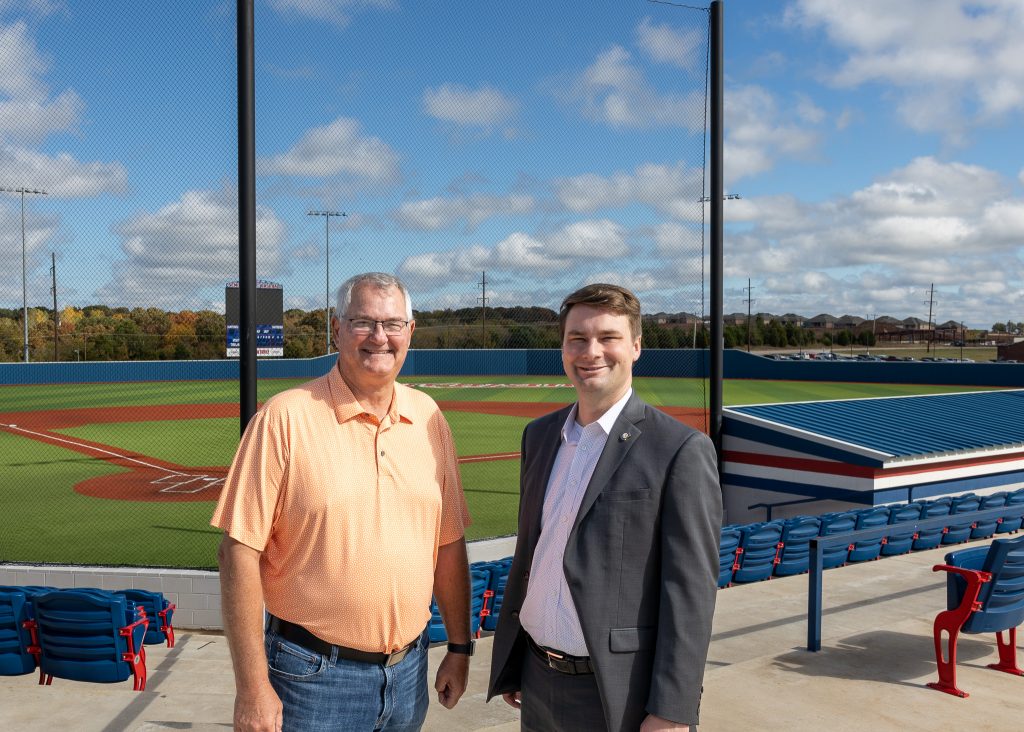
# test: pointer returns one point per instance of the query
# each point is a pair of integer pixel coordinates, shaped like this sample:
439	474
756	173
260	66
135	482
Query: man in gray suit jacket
606	618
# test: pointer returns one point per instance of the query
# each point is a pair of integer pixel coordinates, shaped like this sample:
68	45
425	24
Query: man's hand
452	677
258	711
657	724
513	698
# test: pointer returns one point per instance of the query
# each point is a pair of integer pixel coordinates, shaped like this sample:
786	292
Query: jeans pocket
291	660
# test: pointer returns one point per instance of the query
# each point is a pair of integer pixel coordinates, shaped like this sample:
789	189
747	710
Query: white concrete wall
195	592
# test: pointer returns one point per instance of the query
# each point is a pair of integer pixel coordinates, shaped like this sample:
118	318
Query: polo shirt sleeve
454	513
247	506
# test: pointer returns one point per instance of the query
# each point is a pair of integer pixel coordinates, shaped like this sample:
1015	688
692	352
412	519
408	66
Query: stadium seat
83	636
931	538
869	518
478	581
15	639
797	532
901	542
759	546
728	543
496	587
160	613
985	528
959	530
839	522
1009	524
984	594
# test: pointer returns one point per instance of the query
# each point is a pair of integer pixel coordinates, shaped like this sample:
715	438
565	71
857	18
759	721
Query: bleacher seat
984	594
958	530
759	546
794	556
160	612
985	528
1009	524
728	543
869	518
901	542
15	639
839	522
496	587
83	636
931	538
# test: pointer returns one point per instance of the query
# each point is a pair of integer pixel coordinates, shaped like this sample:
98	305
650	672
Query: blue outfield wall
678	363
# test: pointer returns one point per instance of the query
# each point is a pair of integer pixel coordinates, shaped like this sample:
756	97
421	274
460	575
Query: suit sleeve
691	517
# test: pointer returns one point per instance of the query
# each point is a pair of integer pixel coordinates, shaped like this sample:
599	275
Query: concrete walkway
876	657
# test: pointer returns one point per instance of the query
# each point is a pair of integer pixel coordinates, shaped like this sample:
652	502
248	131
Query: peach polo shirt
347	510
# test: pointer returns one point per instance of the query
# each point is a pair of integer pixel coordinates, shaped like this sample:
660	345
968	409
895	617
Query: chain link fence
495	157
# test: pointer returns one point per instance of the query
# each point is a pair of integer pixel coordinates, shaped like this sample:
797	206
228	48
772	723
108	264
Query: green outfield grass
44	520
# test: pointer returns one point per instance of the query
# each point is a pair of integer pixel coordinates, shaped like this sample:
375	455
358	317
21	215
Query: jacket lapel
625	432
544	446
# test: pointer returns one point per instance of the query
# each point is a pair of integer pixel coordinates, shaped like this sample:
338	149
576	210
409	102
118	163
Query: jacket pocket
630	640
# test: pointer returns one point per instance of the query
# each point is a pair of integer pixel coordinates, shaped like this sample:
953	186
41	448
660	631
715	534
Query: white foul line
91	447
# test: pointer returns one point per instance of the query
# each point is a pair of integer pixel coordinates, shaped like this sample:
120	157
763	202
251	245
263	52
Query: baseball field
127	473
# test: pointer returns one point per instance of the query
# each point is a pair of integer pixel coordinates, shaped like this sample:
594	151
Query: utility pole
483	304
24	278
56	318
750	291
931	303
327	248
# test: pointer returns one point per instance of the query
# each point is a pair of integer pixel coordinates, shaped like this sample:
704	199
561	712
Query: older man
607	613
343	511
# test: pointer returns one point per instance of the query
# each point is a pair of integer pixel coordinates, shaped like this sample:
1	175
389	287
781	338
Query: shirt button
382	453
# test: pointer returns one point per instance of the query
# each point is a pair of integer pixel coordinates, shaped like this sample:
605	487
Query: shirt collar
606	421
346	406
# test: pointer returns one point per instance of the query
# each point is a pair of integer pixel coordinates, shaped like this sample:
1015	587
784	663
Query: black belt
563	662
298	634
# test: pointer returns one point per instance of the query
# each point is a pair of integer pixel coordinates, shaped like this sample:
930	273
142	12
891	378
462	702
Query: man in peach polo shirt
343	511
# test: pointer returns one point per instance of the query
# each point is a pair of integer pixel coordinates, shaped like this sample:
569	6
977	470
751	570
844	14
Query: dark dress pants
557	702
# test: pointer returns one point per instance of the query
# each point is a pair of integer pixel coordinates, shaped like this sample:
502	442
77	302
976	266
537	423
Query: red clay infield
150	479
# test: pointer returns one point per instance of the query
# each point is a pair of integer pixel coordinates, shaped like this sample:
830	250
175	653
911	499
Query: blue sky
875	147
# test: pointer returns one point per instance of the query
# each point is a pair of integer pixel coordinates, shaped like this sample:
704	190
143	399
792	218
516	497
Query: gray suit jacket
641	563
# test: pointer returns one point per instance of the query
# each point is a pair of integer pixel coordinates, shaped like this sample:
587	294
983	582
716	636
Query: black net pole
716	193
246	213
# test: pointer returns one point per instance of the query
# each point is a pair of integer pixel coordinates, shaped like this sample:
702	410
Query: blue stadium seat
869	518
15	639
160	612
759	547
959	530
984	594
839	522
931	538
83	636
1009	524
985	528
797	532
478	581
728	543
900	542
496	587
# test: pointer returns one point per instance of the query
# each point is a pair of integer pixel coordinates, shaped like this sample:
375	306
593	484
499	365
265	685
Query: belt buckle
555	660
397	656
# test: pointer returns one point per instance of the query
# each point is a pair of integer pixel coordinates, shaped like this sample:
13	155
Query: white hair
378	280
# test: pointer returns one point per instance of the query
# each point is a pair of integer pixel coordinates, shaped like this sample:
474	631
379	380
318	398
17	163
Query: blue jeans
325	693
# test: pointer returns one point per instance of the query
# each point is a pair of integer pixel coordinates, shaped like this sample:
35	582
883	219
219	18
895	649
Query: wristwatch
466	649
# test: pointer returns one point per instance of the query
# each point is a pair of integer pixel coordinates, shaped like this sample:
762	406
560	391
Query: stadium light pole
24	277
327	248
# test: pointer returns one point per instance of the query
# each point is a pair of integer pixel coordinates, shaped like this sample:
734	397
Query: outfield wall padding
678	363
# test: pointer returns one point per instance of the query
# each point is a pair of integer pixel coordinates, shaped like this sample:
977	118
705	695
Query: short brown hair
613	298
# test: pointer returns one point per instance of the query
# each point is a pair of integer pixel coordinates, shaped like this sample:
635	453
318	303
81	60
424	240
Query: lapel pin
624	436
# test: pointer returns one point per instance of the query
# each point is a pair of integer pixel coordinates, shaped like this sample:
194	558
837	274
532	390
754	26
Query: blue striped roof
901	427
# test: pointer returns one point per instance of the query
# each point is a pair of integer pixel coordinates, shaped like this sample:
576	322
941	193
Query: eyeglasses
365	327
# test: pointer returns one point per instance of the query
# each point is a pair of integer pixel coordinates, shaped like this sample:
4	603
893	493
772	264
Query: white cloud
957	61
338	149
614	91
671	189
665	44
174	256
27	111
483	107
61	175
41	231
758	134
469	211
551	255
337	12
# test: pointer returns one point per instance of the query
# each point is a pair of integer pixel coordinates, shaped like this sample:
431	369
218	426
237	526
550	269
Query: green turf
484	434
492	494
190	443
46	521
